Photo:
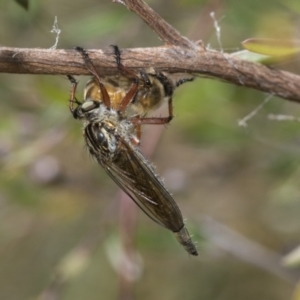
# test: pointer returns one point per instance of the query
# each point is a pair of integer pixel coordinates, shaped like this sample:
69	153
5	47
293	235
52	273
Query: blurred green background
238	187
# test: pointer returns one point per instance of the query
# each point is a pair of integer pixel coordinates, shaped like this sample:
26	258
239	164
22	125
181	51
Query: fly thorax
126	128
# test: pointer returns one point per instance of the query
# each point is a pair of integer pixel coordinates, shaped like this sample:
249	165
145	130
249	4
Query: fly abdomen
184	238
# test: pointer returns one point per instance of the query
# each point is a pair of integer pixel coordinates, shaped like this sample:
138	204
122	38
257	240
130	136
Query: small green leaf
23	3
255	57
272	47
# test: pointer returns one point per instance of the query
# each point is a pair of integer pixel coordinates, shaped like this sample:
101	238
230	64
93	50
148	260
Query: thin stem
169	59
164	30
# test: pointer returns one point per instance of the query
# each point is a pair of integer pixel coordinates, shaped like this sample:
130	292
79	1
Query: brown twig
170	59
168	34
179	55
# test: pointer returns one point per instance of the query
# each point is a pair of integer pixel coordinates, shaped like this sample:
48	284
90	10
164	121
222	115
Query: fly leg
90	66
73	99
156	120
168	90
129	97
183	80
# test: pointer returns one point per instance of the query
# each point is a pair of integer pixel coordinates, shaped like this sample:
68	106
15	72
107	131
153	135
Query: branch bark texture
172	59
179	55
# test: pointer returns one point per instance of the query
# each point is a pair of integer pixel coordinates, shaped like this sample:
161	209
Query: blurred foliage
53	197
23	3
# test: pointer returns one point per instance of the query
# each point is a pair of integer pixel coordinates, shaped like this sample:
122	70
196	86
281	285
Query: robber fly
111	124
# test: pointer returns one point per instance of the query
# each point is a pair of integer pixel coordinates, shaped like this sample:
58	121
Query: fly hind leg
130	95
73	99
90	66
156	120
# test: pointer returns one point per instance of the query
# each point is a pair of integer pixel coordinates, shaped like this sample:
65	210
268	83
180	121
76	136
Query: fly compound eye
106	140
88	106
102	140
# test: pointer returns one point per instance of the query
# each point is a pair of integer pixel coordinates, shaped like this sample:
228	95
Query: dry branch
164	30
171	59
179	55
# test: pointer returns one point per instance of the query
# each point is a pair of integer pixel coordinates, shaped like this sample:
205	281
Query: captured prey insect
111	130
144	93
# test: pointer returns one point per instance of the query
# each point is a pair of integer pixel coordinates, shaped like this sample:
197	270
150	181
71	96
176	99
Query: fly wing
134	175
